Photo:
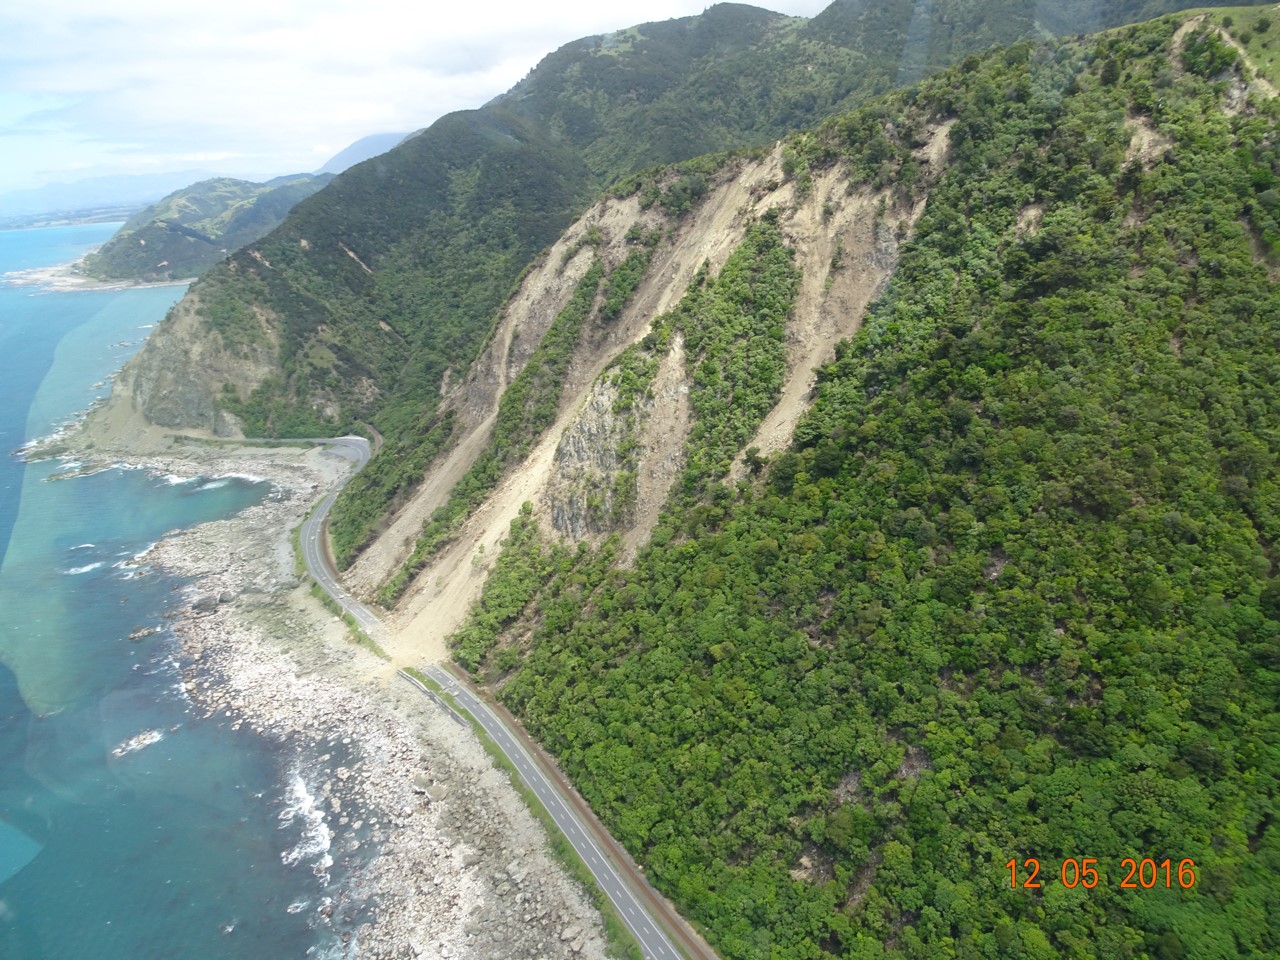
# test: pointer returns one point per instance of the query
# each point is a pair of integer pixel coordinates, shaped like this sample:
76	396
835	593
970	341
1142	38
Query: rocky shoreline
441	859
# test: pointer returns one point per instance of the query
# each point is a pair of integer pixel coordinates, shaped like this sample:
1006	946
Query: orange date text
1135	873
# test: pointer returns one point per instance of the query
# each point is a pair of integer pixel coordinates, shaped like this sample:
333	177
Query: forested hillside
1012	592
392	276
1004	611
193	228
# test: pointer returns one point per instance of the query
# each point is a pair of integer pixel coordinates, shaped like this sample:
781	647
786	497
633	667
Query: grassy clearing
188	441
1257	29
295	541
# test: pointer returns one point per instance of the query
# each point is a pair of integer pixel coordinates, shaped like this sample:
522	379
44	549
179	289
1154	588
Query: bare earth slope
861	232
474	400
847	258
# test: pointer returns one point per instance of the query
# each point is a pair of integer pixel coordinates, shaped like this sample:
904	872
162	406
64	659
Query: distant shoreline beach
67	277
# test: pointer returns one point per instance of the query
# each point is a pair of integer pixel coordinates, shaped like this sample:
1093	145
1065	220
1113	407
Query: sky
258	89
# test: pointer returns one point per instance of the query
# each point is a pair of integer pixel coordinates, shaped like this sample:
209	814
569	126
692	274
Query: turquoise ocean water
198	844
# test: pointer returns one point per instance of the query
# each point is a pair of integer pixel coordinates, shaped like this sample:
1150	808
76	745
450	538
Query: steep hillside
391	278
853	517
1007	588
193	228
611	441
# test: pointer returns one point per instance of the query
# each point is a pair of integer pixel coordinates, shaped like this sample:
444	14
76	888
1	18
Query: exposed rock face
585	494
580	494
474	394
174	382
664	428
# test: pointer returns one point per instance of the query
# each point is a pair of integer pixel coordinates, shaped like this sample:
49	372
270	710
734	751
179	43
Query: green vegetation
626	276
193	228
358	636
295	541
1257	29
676	187
360	506
396	272
734	336
1204	53
1011	594
621	943
376	287
521	571
527	408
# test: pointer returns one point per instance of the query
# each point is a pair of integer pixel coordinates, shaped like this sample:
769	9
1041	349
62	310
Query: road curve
315	543
636	901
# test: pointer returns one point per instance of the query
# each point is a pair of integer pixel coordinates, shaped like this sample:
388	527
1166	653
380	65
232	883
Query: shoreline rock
460	869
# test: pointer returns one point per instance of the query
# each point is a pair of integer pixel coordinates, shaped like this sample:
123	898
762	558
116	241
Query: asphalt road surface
636	908
652	939
315	549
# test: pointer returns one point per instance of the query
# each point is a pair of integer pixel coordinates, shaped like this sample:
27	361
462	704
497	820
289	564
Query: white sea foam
83	546
77	470
85	569
224	478
130	570
138	742
333	949
32	447
173	479
316	836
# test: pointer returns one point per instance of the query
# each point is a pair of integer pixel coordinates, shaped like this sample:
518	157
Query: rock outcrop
581	495
171	383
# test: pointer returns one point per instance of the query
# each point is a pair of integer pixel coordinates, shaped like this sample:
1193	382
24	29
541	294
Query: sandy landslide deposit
462	868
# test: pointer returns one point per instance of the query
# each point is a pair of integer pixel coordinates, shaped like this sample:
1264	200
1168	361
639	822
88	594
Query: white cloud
262	88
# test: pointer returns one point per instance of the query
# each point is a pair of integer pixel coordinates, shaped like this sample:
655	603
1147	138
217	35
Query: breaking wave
85	569
303	807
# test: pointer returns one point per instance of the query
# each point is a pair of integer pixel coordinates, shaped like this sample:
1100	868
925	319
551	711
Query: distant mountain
125	190
363	149
193	228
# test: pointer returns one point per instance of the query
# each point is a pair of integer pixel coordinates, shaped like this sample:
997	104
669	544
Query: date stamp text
1134	873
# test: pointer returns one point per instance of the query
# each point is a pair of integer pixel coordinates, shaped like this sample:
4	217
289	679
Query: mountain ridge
1007	592
444	240
190	229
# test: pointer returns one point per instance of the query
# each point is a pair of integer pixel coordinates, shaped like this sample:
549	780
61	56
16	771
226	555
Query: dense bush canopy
1011	593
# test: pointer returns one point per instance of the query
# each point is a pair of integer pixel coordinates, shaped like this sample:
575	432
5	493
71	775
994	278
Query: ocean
130	827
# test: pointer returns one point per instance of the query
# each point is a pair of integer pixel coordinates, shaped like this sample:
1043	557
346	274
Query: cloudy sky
253	88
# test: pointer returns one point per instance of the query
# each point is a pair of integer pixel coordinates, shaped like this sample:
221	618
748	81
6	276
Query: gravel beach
459	867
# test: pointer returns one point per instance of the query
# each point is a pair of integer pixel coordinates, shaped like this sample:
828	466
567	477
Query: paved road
651	937
634	899
315	549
